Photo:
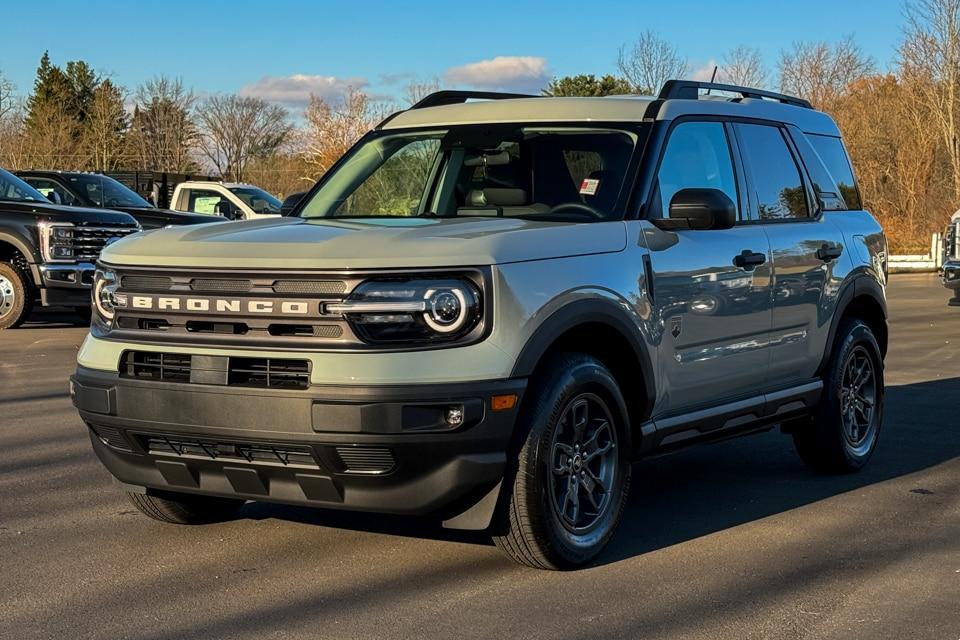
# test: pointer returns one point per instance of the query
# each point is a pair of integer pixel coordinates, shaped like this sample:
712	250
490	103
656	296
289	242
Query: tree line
901	126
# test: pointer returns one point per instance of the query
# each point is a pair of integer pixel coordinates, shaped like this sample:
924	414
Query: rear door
806	247
714	308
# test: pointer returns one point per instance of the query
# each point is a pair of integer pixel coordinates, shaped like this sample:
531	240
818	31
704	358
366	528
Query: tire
844	430
16	296
181	508
538	524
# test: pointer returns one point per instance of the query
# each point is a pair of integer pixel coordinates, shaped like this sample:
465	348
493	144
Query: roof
608	109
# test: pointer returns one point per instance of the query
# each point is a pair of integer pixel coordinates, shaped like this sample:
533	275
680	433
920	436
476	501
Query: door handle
828	253
749	260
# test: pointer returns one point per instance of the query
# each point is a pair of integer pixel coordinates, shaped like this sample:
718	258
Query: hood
298	243
61	213
169	216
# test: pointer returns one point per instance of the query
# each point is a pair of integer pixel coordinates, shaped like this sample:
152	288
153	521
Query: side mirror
55	198
700	209
291	202
226	209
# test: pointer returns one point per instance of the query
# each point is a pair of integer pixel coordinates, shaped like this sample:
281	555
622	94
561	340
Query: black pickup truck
48	251
95	190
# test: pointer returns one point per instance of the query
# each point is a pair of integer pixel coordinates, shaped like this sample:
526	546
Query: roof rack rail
440	98
690	90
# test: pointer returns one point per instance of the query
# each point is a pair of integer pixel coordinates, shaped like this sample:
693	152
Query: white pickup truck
232	200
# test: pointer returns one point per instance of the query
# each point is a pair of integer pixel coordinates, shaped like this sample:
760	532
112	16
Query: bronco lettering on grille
219	305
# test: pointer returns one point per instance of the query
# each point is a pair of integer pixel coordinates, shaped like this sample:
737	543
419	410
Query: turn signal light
503	403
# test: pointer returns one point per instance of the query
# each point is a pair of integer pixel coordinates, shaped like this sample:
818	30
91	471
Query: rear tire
568	492
16	296
843	432
182	508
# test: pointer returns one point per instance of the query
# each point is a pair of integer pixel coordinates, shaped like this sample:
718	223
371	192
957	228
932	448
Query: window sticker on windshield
589	186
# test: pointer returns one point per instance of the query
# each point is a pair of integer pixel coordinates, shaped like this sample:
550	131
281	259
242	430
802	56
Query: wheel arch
601	329
862	298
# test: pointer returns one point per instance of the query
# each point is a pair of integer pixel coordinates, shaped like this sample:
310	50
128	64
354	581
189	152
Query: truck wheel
573	470
16	296
843	432
182	508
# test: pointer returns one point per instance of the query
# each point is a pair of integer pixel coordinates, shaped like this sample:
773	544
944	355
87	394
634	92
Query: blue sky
284	50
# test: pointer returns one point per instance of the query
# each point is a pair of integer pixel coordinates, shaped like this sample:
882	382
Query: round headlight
105	285
446	309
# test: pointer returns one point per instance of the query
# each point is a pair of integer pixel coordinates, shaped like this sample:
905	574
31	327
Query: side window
697	156
775	177
398	185
203	201
49	187
835	158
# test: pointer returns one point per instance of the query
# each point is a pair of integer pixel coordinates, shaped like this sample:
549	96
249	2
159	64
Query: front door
711	289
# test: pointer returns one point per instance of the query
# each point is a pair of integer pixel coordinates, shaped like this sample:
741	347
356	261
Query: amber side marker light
503	403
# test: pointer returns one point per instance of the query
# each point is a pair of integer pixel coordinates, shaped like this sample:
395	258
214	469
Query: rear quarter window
835	159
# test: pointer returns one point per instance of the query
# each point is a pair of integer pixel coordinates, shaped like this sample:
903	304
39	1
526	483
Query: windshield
257	199
103	191
550	173
14	189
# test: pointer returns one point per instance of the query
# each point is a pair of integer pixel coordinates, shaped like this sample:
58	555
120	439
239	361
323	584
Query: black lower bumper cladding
411	449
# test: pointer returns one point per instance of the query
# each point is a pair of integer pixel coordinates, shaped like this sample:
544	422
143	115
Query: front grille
145	283
89	241
216	284
166	367
322	287
269	373
951	242
366	460
251	453
111	436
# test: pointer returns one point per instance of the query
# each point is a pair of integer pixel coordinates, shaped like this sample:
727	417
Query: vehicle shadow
54	318
710	488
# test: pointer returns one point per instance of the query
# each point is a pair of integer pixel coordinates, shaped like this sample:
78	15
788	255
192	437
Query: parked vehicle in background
950	272
48	251
488	309
95	190
234	201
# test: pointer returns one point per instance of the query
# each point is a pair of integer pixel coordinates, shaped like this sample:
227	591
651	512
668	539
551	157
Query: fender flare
593	311
862	285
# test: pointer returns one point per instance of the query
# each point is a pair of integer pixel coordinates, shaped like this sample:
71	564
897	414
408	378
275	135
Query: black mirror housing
700	209
291	202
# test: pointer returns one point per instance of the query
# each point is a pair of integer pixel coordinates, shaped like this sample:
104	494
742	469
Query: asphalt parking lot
735	540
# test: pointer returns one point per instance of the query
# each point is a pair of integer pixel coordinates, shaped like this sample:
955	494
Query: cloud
294	91
705	72
512	73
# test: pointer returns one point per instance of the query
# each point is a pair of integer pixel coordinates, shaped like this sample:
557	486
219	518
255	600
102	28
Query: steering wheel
578	208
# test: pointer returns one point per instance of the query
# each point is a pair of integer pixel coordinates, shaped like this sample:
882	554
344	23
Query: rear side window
835	158
775	178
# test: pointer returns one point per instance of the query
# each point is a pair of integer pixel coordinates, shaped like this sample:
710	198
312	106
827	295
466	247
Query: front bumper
66	284
951	279
381	449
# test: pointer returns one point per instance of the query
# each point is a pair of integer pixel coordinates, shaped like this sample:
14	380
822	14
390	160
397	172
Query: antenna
713	77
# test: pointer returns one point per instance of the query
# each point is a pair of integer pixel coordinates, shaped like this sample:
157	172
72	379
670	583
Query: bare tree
930	63
332	128
163	133
649	62
7	102
743	66
105	127
234	130
822	72
417	90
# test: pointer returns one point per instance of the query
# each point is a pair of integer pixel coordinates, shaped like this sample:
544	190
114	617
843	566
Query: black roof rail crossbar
690	90
439	98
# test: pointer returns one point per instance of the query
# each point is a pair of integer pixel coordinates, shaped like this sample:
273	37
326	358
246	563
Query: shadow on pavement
710	488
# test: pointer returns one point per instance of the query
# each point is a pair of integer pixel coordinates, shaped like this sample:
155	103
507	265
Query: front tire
844	430
573	470
16	296
182	508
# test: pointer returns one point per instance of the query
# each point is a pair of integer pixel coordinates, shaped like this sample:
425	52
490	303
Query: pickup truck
97	191
234	201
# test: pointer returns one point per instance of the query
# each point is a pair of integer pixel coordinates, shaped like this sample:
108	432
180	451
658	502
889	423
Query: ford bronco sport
490	307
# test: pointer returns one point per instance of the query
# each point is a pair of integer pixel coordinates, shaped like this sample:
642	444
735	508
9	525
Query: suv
81	189
488	309
47	252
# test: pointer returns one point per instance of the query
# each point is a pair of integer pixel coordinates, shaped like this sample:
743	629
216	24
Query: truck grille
89	241
366	460
267	373
951	242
